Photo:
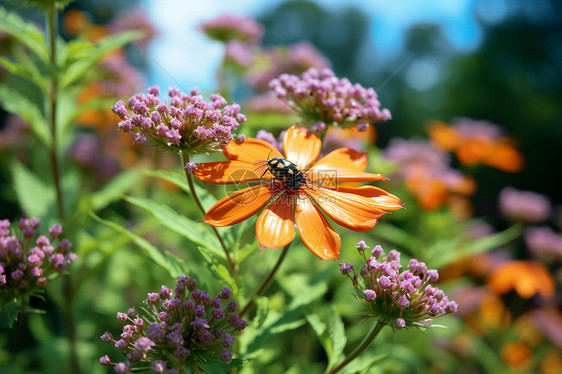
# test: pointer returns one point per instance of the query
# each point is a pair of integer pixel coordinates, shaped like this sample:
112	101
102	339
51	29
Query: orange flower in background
294	189
477	142
527	278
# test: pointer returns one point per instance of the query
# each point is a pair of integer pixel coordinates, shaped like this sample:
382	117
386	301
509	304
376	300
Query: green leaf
444	252
331	334
177	265
207	200
35	197
151	251
81	55
14	102
363	364
218	269
27	72
115	189
25	32
182	225
9	314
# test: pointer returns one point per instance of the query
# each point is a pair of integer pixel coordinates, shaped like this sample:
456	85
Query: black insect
287	172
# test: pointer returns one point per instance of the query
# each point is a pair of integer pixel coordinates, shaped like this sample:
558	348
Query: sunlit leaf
25	32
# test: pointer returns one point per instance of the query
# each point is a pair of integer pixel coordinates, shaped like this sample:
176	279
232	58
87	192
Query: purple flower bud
241	324
164	293
346	268
105	361
122	317
377	251
134	356
233	319
55	231
200	323
199	310
121	345
218	314
403	302
189	304
144	344
370	295
41	281
165	317
399	323
361	246
122	367
152	298
232	306
192	284
431	275
64	245
226	356
17	275
394	255
155	332
216	302
158	366
107	337
175	339
241	138
171	304
228	340
226	293
154	90
451	307
206	337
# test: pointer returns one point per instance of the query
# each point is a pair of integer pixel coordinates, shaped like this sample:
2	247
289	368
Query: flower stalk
231	263
267	280
360	348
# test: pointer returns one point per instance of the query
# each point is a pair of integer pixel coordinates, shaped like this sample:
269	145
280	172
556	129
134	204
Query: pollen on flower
401	299
177	330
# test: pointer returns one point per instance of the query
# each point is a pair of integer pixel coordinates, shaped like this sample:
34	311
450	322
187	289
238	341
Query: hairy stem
231	263
267	280
359	349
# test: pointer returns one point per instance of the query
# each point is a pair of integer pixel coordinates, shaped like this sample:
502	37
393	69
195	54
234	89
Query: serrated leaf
25	32
14	102
35	197
151	251
9	314
115	189
182	225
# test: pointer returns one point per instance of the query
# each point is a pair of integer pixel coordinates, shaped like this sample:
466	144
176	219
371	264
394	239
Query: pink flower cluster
186	122
403	299
28	261
178	330
544	243
524	206
229	27
322	100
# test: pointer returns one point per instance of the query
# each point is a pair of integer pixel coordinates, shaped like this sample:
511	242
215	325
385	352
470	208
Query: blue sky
183	56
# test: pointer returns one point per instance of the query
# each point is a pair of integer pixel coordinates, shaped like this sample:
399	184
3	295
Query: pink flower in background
524	206
240	54
544	243
135	19
230	27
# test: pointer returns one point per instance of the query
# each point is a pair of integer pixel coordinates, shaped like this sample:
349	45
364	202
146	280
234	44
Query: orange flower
477	142
318	190
525	277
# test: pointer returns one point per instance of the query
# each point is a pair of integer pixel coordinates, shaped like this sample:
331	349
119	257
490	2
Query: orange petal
330	178
380	197
344	158
238	206
315	231
250	150
355	212
301	146
444	136
275	227
227	172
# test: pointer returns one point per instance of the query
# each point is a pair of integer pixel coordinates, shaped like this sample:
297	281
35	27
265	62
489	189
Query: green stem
267	280
185	160
52	25
360	348
68	307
